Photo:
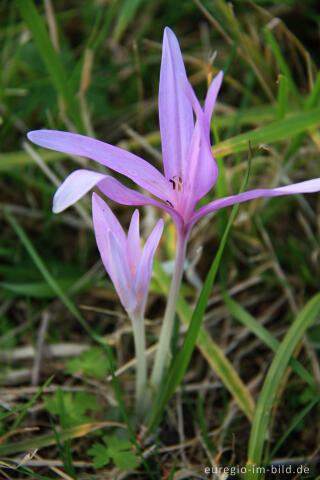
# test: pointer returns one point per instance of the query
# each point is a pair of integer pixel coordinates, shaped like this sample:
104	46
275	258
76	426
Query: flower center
177	183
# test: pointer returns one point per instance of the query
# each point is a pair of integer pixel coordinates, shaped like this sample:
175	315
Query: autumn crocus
130	271
190	170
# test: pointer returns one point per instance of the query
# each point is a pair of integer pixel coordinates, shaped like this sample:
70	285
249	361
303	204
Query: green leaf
11	160
85	402
269	133
116	444
92	362
119	450
36	289
71	407
126	460
100	455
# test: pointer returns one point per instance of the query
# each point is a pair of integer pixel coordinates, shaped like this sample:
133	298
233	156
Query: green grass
245	359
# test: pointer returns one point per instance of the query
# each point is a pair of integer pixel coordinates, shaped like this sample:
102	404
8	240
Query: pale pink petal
133	241
120	273
107	220
79	182
74	187
113	253
212	96
143	272
175	112
308	186
117	192
122	161
190	193
202	171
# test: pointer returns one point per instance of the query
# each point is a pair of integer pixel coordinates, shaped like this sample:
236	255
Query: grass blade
282	63
10	160
272	383
269	133
36	289
265	336
293	425
50	438
25	408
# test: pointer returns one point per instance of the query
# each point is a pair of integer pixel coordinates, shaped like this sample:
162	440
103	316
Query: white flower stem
141	365
168	321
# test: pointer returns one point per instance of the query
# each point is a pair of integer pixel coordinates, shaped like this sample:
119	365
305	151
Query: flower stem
141	365
168	321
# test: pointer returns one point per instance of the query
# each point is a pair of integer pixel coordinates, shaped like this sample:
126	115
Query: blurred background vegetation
93	67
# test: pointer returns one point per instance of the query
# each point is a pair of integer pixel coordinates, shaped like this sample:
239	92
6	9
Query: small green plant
71	408
91	362
114	449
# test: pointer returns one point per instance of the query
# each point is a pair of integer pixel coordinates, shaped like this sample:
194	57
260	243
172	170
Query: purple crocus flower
128	267
190	171
130	271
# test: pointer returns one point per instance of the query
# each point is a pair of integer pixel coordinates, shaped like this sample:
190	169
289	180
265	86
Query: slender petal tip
168	31
42	137
30	135
74	187
175	111
220	75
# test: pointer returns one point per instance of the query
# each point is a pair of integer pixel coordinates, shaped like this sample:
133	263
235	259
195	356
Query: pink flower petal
212	96
202	171
120	273
74	187
112	247
133	241
107	219
175	112
143	272
117	192
126	163
308	186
